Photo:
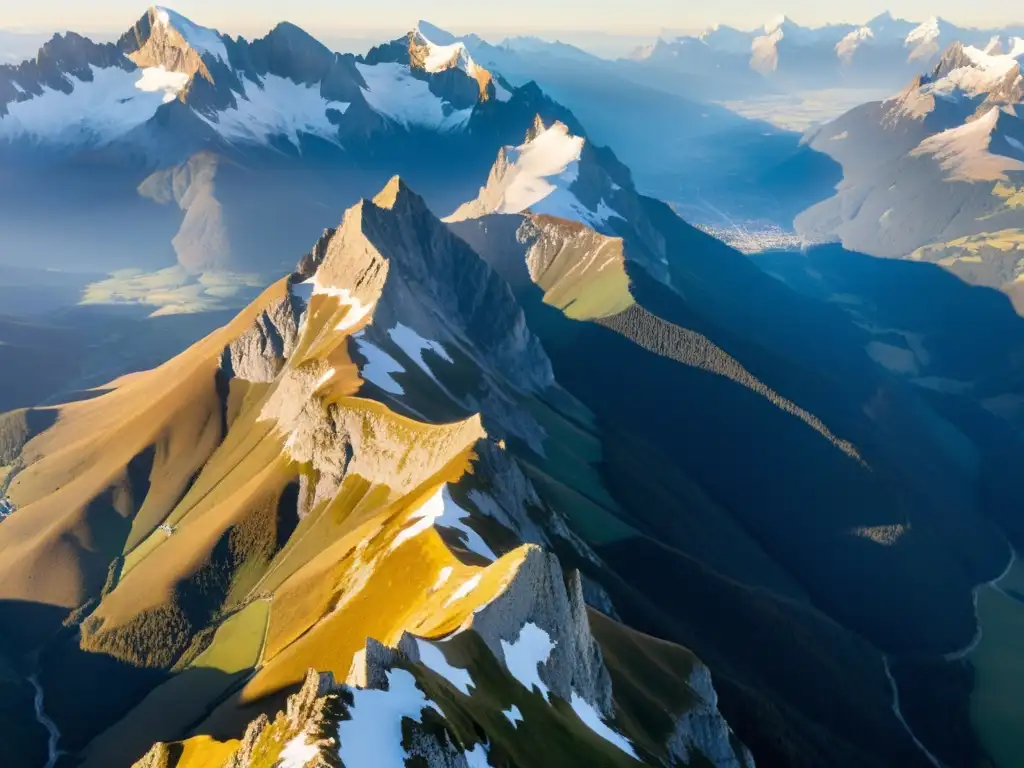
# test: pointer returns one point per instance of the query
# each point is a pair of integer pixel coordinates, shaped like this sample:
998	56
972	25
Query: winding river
962	653
51	728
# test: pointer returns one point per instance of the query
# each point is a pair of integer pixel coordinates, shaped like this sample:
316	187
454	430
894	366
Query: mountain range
932	173
180	120
724	62
508	465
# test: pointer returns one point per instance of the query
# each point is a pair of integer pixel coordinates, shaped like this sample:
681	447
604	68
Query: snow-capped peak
925	32
435	34
924	40
202	39
538	176
443	50
775	24
846	47
975	71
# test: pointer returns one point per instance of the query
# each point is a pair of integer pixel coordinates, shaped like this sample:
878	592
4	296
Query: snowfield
277	107
393	92
96	111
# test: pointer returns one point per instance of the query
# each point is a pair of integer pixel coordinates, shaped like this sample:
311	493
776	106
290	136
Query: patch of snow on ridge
524	656
468	586
201	39
95	112
590	717
393	92
433	658
379	366
441	510
277	107
442	578
298	753
415	345
357	311
373	735
328	375
964	151
155	79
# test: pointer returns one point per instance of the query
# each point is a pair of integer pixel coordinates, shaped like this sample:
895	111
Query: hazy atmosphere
611	16
511	385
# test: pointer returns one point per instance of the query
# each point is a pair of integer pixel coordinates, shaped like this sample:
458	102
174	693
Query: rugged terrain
557	479
932	174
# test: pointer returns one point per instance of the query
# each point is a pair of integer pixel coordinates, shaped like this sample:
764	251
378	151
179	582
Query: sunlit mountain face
475	402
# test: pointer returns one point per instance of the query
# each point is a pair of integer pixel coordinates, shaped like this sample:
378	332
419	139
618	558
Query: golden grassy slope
78	506
582	272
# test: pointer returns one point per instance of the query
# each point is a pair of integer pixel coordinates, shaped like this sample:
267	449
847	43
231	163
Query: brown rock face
152	43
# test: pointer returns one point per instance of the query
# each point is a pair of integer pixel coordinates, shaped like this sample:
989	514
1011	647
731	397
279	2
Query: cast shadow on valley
971	332
788	454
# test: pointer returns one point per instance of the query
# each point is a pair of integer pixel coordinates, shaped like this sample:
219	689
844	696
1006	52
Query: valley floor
999	671
805	109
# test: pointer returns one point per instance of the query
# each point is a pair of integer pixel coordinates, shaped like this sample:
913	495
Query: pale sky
254	17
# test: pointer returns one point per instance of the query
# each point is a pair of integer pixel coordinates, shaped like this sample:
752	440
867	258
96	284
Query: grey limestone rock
259	354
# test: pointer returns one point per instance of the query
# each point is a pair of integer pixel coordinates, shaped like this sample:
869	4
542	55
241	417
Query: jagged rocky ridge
173	88
537	600
375	424
244	146
415	424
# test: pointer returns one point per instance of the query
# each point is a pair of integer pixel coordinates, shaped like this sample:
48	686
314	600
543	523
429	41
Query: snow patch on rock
467	587
537	176
373	736
442	510
524	656
380	367
434	659
415	346
590	717
298	753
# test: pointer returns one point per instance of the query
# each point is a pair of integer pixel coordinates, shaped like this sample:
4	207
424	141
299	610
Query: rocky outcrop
703	731
539	594
259	354
154	42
